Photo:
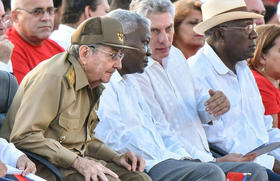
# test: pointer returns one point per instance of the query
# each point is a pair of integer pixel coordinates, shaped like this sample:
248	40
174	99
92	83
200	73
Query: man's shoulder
56	66
176	53
199	60
15	38
62	33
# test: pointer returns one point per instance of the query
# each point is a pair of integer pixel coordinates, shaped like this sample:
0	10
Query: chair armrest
216	151
46	163
2	117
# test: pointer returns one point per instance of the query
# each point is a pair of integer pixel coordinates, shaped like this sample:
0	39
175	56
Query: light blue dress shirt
244	127
169	89
126	123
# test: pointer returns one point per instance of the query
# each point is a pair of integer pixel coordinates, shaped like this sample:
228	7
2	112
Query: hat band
91	39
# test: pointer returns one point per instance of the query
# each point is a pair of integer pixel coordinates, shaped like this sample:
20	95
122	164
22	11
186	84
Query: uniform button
62	138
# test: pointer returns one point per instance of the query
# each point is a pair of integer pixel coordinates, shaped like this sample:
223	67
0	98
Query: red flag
236	176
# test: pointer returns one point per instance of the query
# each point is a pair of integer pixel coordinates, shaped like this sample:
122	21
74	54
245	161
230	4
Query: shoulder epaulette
70	76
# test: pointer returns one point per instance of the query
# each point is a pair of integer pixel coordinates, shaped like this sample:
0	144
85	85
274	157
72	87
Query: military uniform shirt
53	113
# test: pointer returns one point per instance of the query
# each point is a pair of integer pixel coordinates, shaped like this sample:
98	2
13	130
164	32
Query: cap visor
119	46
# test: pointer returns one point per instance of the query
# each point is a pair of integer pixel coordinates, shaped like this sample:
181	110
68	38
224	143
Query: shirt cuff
14	157
98	150
65	158
106	153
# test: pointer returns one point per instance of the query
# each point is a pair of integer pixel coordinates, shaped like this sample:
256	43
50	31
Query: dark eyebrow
37	8
153	29
115	50
170	26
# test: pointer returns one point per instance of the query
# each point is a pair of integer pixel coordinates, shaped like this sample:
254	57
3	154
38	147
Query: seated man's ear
84	52
14	16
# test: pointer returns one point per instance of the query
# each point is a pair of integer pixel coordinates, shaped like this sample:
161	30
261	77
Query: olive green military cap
100	30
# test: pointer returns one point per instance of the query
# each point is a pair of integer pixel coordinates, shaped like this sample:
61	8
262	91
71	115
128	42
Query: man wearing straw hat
54	111
220	65
167	87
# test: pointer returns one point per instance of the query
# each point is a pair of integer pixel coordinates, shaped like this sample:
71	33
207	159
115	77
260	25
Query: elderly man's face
137	60
243	45
162	31
99	64
31	25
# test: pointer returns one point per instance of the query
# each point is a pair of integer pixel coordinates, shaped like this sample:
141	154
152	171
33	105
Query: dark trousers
272	176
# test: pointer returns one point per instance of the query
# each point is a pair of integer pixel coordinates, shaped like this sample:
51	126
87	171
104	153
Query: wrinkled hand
130	161
234	157
7	47
3	170
23	163
217	104
92	170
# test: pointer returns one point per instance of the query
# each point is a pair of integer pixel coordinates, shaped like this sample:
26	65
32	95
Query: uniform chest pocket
70	123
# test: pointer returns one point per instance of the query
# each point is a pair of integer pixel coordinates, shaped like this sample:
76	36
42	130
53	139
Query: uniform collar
165	60
215	60
81	79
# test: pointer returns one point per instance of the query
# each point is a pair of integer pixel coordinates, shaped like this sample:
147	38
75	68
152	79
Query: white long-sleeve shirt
9	154
6	66
62	35
244	127
169	89
126	123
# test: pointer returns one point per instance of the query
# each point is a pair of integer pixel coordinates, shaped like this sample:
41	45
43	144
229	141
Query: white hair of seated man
130	21
145	7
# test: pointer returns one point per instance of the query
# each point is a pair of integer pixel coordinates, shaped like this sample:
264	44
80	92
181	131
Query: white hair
13	5
16	4
145	7
278	11
130	21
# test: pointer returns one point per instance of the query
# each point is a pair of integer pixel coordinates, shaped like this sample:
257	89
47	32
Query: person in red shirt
265	66
32	26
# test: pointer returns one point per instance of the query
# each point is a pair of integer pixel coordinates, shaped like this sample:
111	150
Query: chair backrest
8	88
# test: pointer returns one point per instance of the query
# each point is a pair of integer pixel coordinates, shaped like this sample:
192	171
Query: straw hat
215	12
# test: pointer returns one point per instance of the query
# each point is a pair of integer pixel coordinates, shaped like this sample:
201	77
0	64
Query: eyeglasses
114	55
39	12
5	19
248	28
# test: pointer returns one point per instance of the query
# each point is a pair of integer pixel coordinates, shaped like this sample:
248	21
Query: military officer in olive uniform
54	111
